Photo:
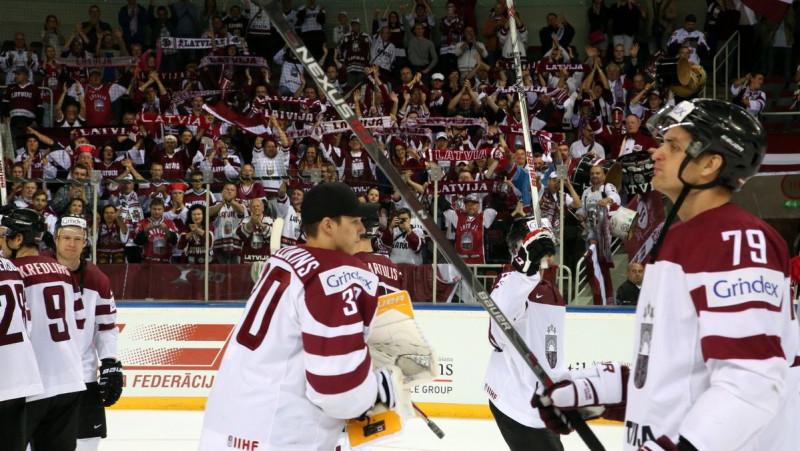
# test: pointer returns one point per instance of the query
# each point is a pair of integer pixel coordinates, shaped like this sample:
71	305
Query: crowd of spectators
172	96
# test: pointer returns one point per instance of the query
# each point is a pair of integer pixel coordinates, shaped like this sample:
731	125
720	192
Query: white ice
137	430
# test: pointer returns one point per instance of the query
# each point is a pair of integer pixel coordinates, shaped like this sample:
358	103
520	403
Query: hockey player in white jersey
100	333
57	317
715	338
298	365
21	377
537	312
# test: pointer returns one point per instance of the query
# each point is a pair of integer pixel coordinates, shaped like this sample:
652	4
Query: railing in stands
733	44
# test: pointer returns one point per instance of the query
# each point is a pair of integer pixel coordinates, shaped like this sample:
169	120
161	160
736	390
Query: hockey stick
335	97
523	111
434	427
275	235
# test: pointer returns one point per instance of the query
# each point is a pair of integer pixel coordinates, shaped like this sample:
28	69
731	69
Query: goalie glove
391	392
597	391
537	245
110	383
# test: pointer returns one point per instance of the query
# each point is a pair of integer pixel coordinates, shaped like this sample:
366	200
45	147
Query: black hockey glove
110	381
537	245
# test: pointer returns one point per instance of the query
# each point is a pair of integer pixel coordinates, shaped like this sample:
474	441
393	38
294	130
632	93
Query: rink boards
171	352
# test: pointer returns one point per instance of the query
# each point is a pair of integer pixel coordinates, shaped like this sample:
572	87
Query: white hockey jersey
538	314
715	339
100	332
297	364
21	377
57	317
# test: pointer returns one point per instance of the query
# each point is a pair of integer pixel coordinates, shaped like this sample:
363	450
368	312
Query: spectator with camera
405	239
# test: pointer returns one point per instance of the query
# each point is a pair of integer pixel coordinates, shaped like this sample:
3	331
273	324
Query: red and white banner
598	274
774	10
119	61
649	225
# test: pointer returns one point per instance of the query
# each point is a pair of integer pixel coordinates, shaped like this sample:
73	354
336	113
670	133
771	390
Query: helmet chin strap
687	187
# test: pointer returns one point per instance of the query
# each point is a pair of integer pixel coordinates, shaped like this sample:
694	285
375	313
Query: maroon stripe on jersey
80	323
701	304
796	361
755	347
333	385
78	303
10	275
327	346
103	310
102	327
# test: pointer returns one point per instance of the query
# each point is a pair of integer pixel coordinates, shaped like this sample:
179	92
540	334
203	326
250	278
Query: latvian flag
774	10
598	273
221	111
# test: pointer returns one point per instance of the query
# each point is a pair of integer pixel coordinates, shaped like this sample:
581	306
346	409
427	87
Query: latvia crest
551	346
643	356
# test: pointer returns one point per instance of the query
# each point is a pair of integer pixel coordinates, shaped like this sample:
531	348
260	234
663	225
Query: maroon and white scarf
483	186
173	119
252	61
445	122
118	61
459	155
197	43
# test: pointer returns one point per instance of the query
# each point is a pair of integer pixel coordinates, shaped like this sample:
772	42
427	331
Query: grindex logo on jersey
745	285
339	279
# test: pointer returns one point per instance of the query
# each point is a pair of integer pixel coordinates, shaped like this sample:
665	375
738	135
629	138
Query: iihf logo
551	345
643	356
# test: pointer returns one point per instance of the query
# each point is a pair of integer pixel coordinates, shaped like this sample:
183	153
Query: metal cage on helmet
719	127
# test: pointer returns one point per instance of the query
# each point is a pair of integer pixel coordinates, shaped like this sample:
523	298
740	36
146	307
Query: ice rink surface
174	430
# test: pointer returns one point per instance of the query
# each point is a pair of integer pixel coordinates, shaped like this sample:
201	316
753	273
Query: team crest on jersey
551	345
643	356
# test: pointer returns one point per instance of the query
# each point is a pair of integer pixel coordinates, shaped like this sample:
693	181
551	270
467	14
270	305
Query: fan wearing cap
712	349
691	36
56	318
654	102
98	97
341	30
355	53
100	333
611	133
312	371
468	226
22	104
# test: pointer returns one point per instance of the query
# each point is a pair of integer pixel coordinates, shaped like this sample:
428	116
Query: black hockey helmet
518	231
719	127
372	225
25	222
